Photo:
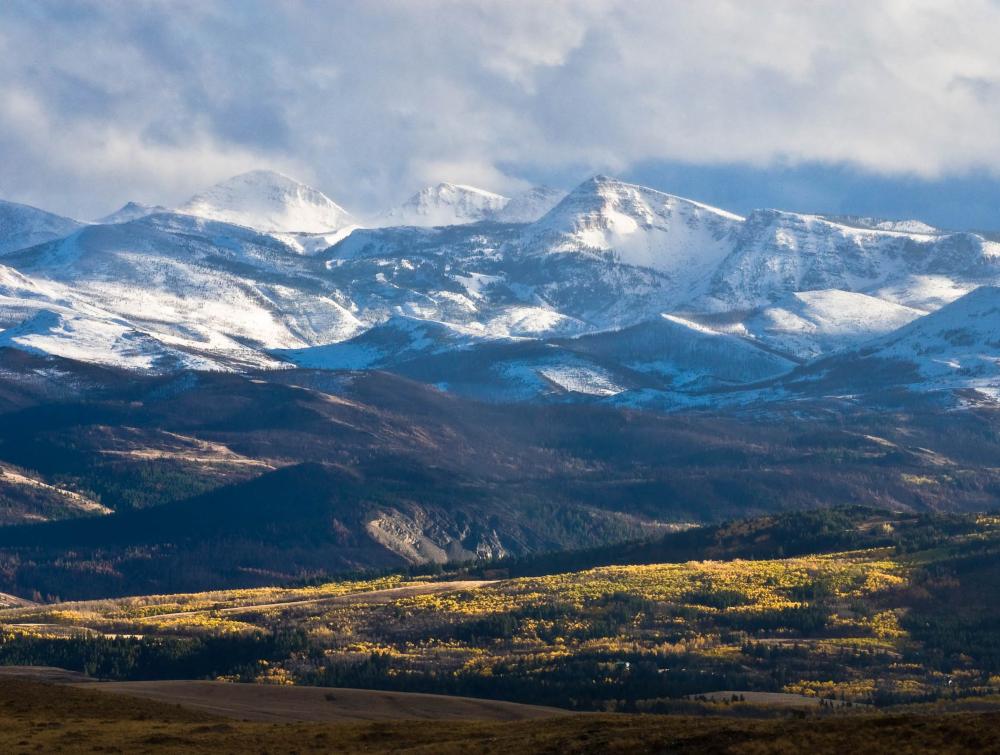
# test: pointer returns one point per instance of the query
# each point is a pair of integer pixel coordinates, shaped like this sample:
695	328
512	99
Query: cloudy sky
882	107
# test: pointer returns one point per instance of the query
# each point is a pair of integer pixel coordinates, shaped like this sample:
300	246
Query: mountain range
610	293
259	385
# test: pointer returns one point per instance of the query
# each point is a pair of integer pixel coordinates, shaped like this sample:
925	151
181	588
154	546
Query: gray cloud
111	100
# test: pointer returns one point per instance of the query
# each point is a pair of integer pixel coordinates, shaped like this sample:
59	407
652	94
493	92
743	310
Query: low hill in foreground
42	717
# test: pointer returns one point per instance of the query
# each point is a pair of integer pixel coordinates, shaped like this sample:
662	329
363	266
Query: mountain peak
608	189
131	211
445	204
266	200
641	226
600	183
266	177
446	187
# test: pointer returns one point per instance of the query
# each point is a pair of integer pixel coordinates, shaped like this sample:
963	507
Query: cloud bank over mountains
103	102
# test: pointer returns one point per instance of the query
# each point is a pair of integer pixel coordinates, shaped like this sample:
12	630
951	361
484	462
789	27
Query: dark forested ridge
222	479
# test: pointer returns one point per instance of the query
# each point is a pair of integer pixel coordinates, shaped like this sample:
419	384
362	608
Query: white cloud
106	101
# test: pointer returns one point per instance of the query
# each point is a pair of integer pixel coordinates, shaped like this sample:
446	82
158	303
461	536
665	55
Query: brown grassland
38	717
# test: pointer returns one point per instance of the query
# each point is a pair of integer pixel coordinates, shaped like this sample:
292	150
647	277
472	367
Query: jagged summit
445	204
269	201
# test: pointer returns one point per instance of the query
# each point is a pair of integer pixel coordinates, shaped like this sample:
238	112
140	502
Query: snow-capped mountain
640	227
530	205
268	201
483	278
23	226
444	204
617	291
131	211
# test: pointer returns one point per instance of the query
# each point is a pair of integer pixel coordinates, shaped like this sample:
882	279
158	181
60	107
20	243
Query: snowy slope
397	340
951	355
960	341
309	244
107	341
222	292
530	205
933	291
688	354
46	317
807	324
21	297
22	226
269	201
444	204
